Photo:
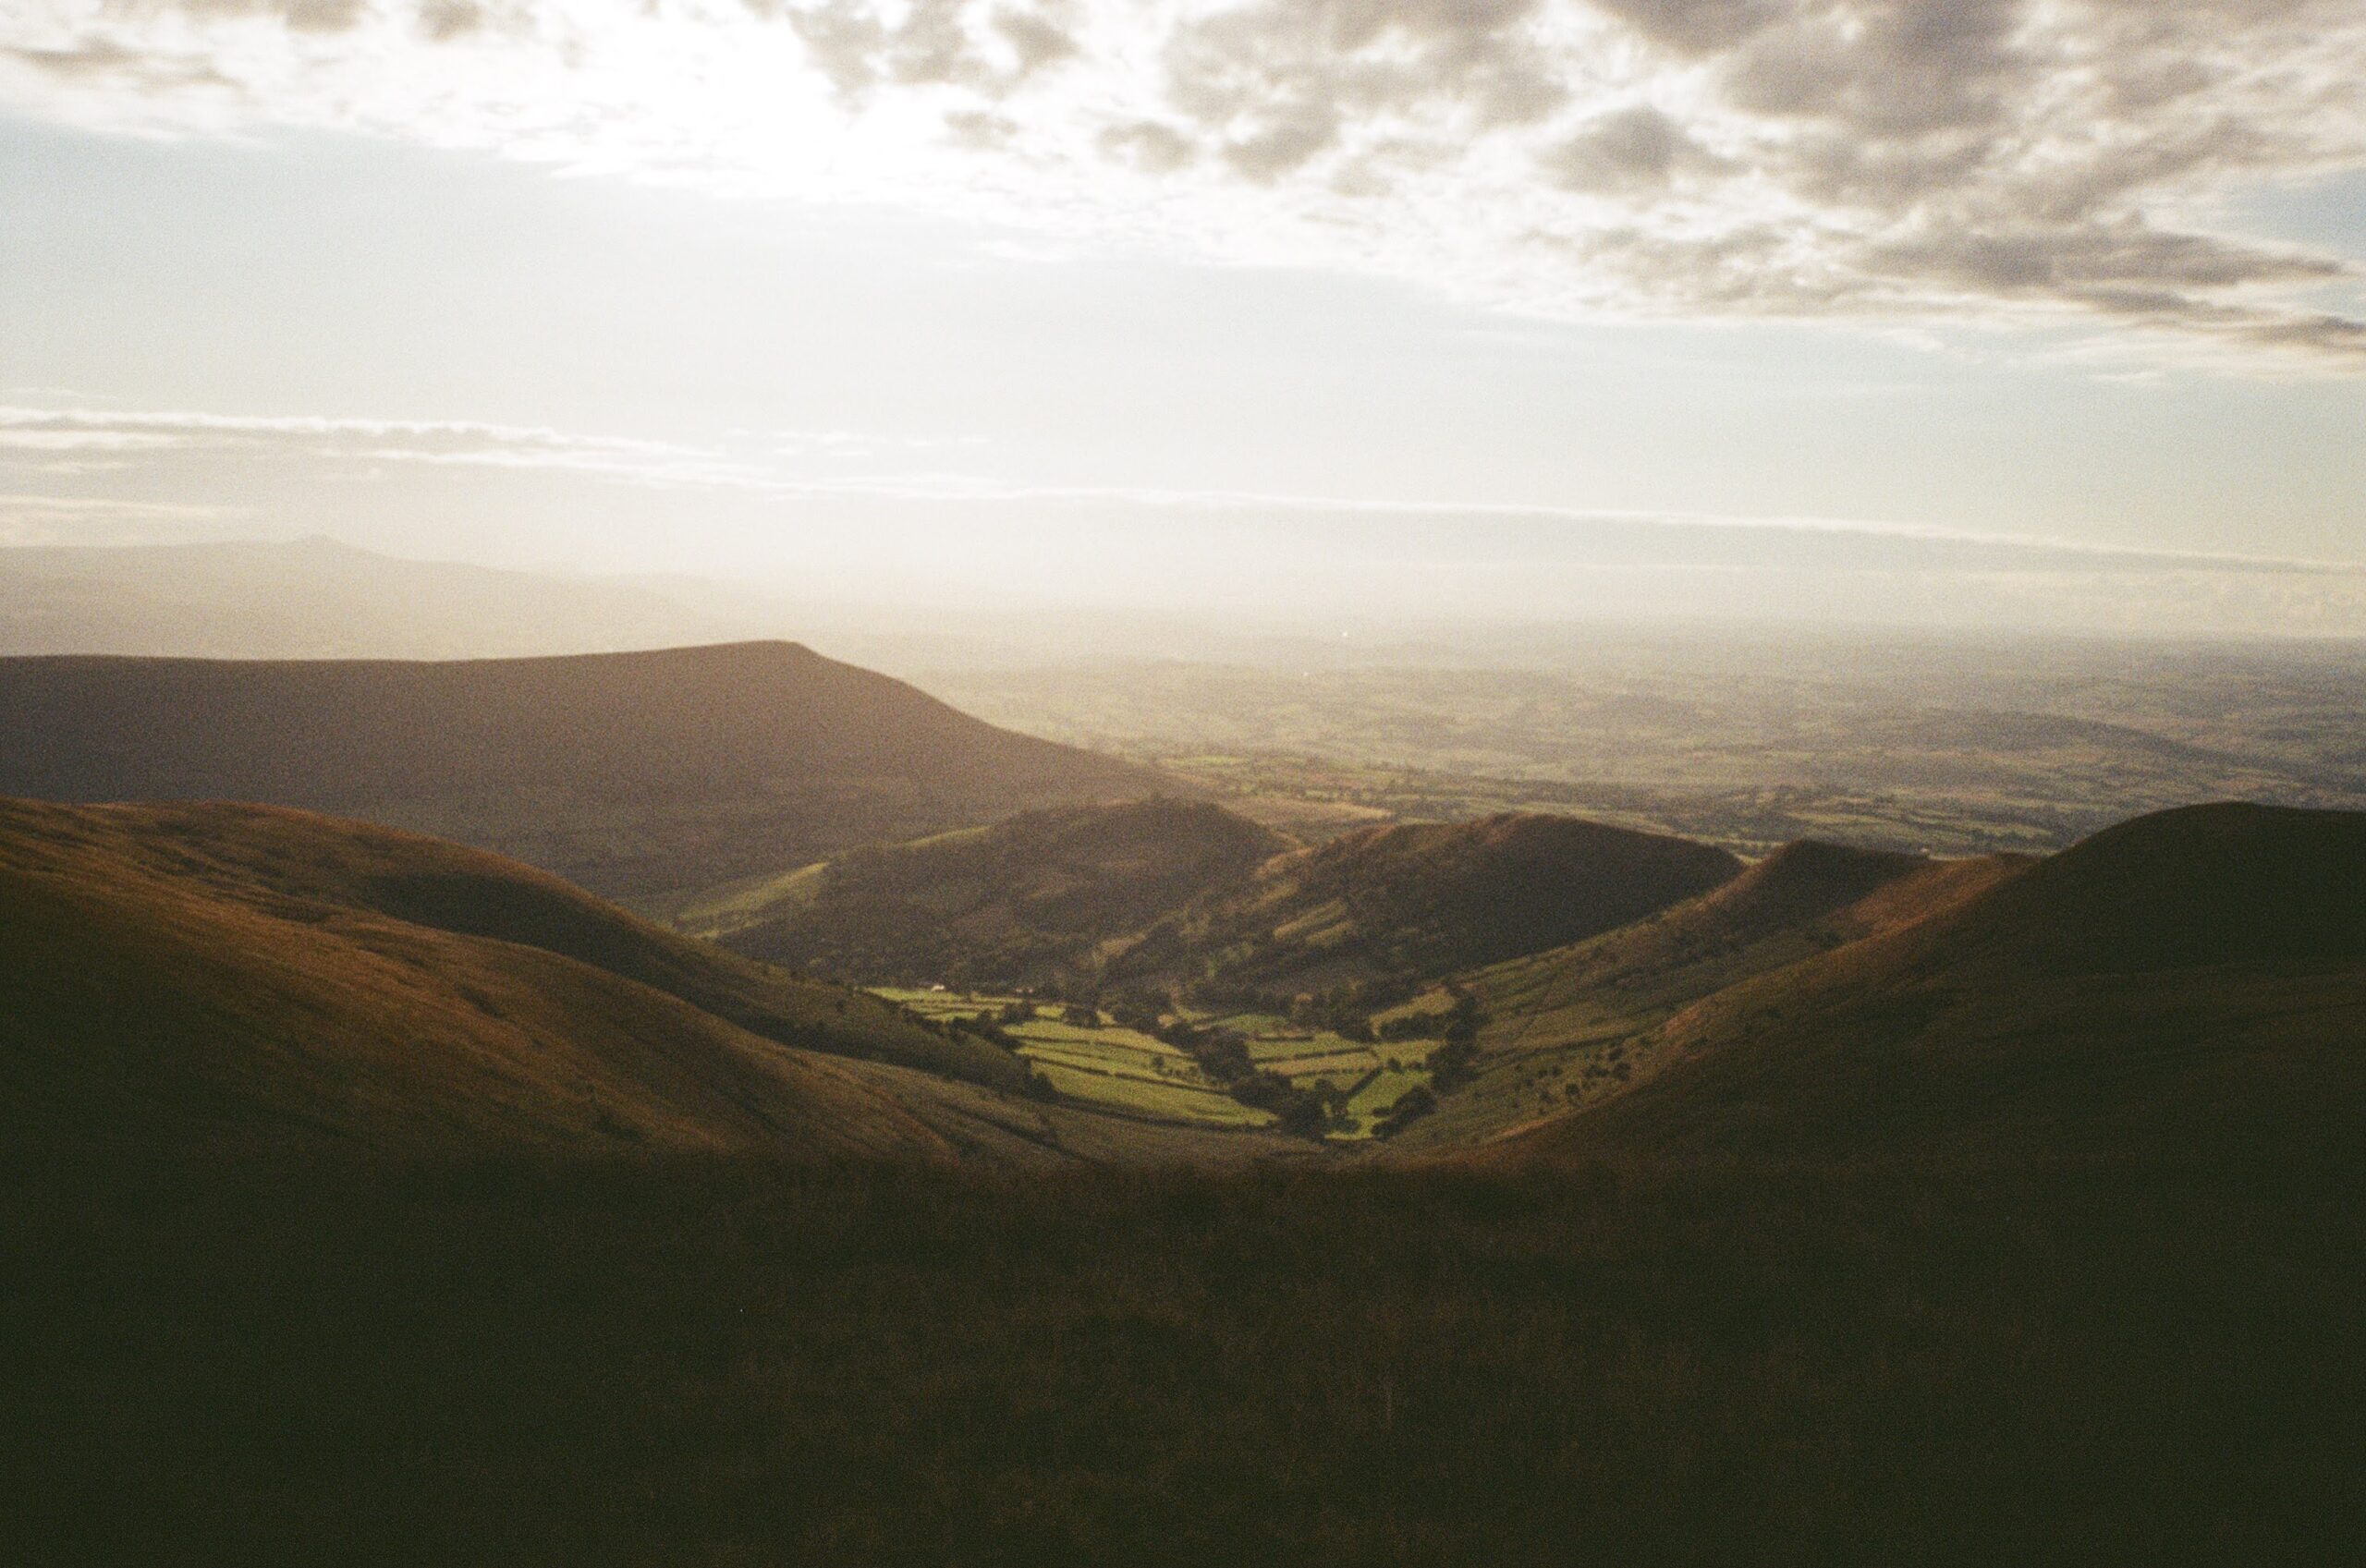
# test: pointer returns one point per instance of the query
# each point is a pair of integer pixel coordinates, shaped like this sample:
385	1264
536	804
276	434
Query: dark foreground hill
1841	1343
239	978
2188	986
1027	900
1420	900
632	773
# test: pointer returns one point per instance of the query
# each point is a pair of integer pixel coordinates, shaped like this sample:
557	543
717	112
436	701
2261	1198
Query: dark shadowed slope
1575	1025
242	978
1027	900
632	772
1416	901
2189	985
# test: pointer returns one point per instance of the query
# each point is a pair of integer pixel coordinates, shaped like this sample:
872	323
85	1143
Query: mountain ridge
632	772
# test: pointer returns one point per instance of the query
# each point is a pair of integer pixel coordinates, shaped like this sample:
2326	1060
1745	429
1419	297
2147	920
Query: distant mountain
1028	900
633	774
2188	986
315	599
1416	901
239	976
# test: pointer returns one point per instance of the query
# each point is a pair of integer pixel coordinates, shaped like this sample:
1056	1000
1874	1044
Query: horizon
775	608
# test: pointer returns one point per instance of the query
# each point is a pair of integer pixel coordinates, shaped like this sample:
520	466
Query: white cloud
854	466
41	431
2029	161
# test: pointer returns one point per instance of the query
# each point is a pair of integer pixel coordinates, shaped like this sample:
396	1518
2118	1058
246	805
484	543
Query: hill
1415	901
2188	986
1570	1025
1026	901
242	973
211	978
239	1351
632	773
319	599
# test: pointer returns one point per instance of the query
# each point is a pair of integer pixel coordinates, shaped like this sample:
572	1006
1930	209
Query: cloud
856	465
2046	162
1638	150
81	439
62	440
871	513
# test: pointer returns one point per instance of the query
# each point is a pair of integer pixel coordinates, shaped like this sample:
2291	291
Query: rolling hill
2189	986
1416	901
1027	900
632	773
217	979
242	973
1574	1024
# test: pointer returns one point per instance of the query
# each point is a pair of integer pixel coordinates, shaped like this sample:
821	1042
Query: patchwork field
1115	1068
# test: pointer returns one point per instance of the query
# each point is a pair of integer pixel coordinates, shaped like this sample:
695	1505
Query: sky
2043	312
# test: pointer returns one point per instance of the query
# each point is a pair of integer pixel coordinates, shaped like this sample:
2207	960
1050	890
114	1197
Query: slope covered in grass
2189	985
633	774
1577	1023
1421	900
202	975
707	1361
1030	899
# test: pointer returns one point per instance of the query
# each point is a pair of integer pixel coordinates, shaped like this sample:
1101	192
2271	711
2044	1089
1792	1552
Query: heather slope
633	774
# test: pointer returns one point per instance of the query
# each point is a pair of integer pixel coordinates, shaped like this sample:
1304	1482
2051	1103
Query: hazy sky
2027	310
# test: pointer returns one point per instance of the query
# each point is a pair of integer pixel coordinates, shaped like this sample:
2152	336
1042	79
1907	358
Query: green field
1114	1068
1382	1092
1108	1068
942	1004
717	911
1166	1101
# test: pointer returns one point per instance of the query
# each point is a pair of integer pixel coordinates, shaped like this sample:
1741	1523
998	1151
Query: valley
1078	1161
1232	783
1096	1062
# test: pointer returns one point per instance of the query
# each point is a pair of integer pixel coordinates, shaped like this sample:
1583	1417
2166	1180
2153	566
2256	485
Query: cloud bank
2054	162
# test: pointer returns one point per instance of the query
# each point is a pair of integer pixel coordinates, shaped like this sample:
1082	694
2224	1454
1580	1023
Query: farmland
1747	741
1115	1068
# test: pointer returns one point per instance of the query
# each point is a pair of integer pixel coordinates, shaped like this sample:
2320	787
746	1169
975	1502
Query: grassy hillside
632	773
1418	900
1577	1023
221	975
2021	1227
2188	986
1025	901
700	1362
